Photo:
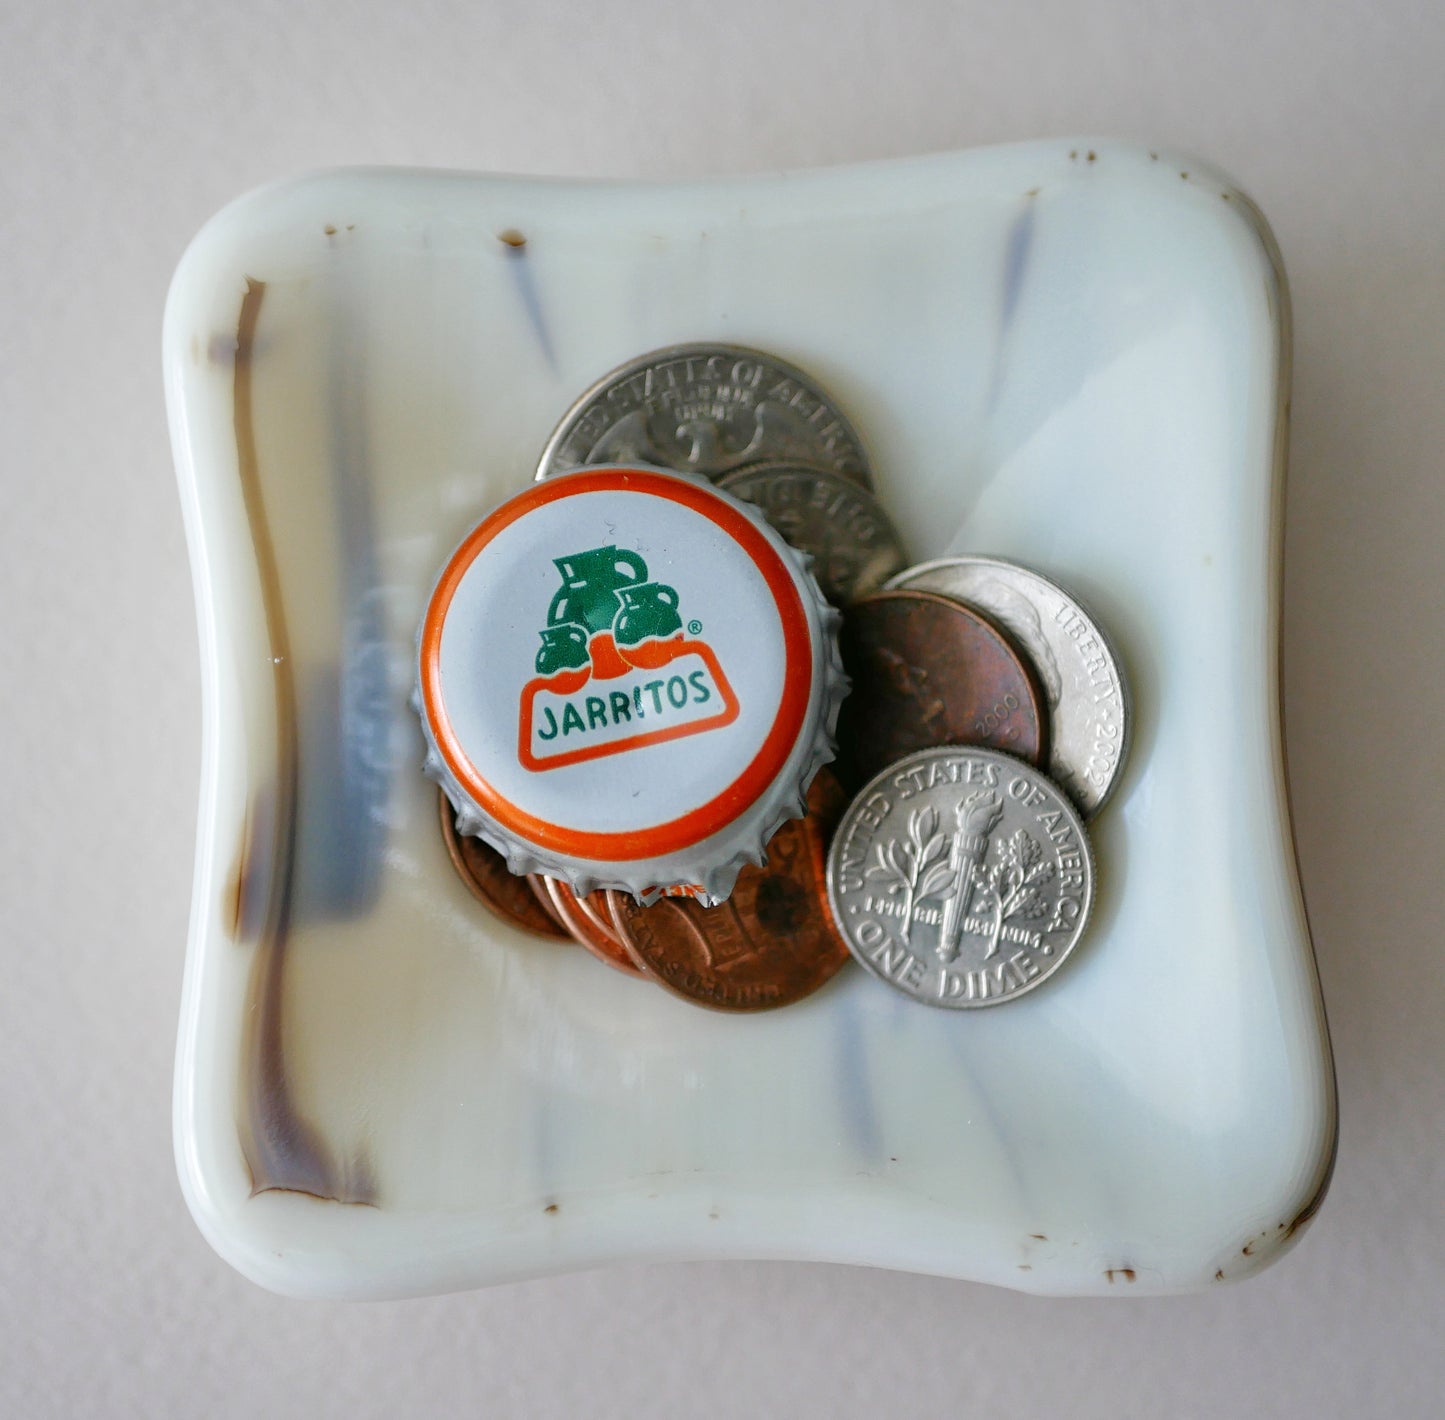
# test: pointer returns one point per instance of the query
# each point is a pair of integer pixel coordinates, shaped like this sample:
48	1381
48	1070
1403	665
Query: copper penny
929	671
770	944
485	872
584	919
538	884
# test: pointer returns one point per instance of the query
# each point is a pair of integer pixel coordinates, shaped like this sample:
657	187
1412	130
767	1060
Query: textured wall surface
123	127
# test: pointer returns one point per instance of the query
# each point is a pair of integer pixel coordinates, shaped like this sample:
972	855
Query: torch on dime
961	877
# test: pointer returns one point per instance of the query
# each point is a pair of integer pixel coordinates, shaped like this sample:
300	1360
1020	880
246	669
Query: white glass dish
1072	356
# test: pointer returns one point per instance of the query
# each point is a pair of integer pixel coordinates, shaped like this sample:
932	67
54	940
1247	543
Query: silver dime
1089	710
854	546
705	409
961	876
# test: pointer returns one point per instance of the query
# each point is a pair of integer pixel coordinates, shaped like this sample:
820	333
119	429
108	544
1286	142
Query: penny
961	877
587	926
770	944
854	546
926	671
1090	715
538	884
705	409
491	882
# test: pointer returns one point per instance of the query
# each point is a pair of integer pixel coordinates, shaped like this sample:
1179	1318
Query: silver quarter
1089	709
706	409
961	877
839	523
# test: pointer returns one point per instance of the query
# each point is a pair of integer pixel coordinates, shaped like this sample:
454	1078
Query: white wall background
124	125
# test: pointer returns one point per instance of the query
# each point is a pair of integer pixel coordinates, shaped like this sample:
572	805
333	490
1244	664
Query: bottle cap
627	679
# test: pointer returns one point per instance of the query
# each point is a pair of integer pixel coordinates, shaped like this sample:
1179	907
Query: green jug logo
615	670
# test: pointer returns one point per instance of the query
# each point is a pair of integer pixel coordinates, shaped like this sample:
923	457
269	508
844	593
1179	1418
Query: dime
705	409
960	876
586	924
1089	711
485	872
770	944
854	546
926	671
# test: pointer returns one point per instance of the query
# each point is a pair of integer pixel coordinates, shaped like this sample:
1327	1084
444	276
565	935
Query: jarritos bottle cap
627	679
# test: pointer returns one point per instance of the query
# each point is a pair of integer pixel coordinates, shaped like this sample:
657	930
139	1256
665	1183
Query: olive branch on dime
917	869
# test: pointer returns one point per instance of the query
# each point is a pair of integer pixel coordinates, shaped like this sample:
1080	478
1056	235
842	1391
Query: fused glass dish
1075	357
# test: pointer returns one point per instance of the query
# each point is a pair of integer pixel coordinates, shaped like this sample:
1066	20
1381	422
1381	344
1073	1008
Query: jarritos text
617	668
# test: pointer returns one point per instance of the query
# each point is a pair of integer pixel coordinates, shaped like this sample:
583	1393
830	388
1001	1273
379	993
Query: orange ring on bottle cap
723	808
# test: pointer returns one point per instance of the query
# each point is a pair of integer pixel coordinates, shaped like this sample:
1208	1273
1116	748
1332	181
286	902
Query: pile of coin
945	850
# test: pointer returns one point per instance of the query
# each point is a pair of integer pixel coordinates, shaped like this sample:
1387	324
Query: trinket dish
1074	356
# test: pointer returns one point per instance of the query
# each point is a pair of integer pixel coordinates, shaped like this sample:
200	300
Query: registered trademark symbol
694	628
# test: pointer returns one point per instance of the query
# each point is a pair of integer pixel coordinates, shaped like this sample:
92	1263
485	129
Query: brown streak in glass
282	1150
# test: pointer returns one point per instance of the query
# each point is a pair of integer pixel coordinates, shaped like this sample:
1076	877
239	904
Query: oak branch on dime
1011	884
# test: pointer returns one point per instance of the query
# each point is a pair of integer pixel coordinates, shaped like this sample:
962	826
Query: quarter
706	409
837	522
